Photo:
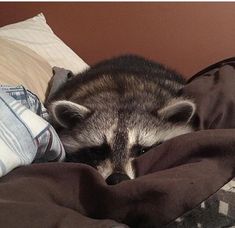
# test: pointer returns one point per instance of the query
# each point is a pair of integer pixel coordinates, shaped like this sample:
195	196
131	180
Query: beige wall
185	36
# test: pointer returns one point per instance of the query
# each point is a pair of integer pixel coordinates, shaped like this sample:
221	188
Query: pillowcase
21	65
36	34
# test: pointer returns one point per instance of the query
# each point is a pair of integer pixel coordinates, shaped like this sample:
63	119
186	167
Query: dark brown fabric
215	96
173	177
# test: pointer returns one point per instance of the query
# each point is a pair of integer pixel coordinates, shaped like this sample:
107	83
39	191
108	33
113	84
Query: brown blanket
173	178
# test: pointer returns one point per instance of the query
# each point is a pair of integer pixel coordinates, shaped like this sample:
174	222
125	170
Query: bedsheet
25	135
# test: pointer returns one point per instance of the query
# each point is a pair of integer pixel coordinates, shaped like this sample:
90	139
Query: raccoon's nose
116	178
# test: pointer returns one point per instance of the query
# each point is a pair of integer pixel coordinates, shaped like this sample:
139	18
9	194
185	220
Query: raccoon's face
109	140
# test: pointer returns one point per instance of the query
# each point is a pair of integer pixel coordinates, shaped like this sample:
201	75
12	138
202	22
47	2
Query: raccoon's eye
90	155
157	144
138	150
95	162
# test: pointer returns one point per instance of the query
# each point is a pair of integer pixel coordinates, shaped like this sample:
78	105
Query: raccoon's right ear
178	111
66	113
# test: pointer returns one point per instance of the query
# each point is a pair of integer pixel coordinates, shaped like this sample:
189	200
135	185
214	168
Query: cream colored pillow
36	34
19	65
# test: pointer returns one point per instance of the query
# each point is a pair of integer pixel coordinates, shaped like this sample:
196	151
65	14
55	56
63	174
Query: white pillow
36	34
20	65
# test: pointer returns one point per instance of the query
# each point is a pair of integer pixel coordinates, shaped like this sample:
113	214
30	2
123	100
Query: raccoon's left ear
67	113
179	111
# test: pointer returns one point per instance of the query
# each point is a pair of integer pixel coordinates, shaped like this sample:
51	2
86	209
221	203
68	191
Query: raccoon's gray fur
117	110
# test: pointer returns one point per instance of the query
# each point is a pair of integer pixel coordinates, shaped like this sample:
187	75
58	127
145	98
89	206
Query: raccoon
117	110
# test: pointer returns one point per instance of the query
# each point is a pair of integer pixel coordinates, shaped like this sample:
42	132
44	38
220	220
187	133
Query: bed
187	181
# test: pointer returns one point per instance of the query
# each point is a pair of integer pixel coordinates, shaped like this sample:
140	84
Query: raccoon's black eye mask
138	150
90	155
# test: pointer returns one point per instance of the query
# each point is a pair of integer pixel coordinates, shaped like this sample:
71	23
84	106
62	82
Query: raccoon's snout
116	178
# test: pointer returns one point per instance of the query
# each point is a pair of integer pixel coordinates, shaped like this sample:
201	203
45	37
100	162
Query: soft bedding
185	182
19	65
35	34
215	212
24	135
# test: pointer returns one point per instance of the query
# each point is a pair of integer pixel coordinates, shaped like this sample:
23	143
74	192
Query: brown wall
185	36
